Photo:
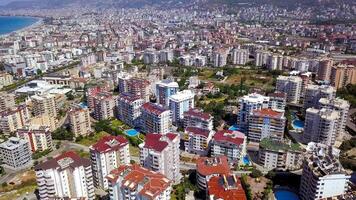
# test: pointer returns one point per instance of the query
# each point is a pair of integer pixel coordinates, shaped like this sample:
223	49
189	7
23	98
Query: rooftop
158	142
235	137
109	143
154	108
67	159
266	112
198	113
226	187
273	145
198	131
214	165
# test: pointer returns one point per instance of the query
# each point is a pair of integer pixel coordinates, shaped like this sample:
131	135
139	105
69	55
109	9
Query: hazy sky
3	2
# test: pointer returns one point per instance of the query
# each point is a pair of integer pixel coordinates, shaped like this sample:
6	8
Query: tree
70	96
256	173
62	133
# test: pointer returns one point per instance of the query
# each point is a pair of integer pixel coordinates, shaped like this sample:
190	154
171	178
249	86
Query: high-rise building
134	182
219	58
104	106
79	120
107	154
247	104
225	187
321	125
139	87
342	75
277	101
240	56
180	103
38	138
281	155
232	144
129	109
92	91
44	105
7	101
150	56
15	154
266	123
65	176
165	89
123	79
155	118
261	58
197	118
160	153
291	85
323	176
313	93
324	70
11	120
197	140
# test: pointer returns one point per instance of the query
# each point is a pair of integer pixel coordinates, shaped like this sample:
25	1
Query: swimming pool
83	105
245	160
234	128
298	124
131	132
283	194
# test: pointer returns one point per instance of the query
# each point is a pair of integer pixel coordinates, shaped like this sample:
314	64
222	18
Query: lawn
134	151
90	140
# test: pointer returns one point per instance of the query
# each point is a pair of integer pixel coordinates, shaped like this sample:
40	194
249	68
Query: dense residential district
144	104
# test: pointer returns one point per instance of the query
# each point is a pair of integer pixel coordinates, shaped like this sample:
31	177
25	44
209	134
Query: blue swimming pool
283	194
83	105
234	128
245	160
131	132
298	124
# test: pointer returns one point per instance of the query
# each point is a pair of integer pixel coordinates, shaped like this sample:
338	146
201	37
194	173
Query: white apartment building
15	154
277	101
261	58
65	176
155	118
79	121
321	126
313	93
197	118
197	140
323	176
266	123
291	85
180	103
232	144
13	119
104	106
164	89
7	101
129	109
160	153
240	56
107	154
219	58
130	182
247	104
38	138
281	155
44	104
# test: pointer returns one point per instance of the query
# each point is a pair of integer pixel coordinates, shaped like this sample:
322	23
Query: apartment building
324	70
160	153
65	176
139	87
180	103
231	144
247	104
197	140
266	123
79	121
155	118
281	155
11	120
225	187
208	168
39	138
104	106
321	126
107	154
15	154
7	101
44	105
342	75
44	120
291	85
219	58
323	176
92	91
313	93
239	56
261	58
5	79
277	101
135	182
165	89
129	108
123	79
197	118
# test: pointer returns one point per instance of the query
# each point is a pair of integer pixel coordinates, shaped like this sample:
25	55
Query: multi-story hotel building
7	101
11	120
39	138
165	89
104	106
266	123
323	176
155	118
291	85
247	104
129	108
107	154
197	140
160	153
281	155
65	176
130	182
232	144
180	103
44	105
313	93
79	121
321	126
342	75
211	167
15	154
197	118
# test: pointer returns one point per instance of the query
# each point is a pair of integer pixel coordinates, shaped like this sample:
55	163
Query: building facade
15	154
155	118
180	103
198	118
291	85
165	89
39	138
129	109
197	140
79	121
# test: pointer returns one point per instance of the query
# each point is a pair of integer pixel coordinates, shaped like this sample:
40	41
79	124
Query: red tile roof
197	131
156	141
73	161
215	165
235	137
129	97
153	183
226	187
197	113
153	108
110	143
266	112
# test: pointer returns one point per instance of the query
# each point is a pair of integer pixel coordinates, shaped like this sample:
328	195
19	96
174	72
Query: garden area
23	183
